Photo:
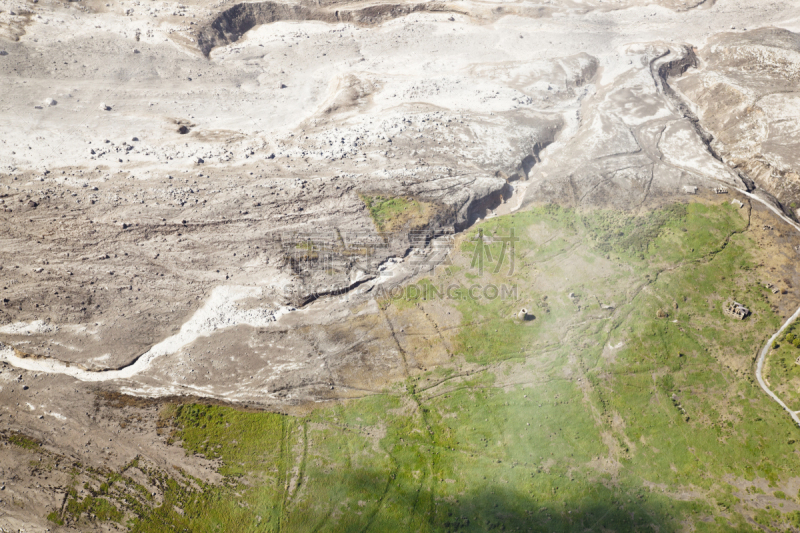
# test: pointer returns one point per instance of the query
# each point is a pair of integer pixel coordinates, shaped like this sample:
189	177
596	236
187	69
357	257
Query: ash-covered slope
745	94
154	156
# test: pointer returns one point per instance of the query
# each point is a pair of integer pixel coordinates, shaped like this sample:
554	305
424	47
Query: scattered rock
49	102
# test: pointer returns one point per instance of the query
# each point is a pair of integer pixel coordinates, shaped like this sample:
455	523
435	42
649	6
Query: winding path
764	351
763	357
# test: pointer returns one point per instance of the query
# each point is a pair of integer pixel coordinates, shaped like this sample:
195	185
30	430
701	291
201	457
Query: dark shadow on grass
403	482
392	505
502	508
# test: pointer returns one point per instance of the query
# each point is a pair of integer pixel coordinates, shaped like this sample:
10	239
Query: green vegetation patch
395	213
95	507
55	518
204	429
23	441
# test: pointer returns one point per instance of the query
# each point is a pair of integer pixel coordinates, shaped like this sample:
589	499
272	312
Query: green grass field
626	404
782	369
